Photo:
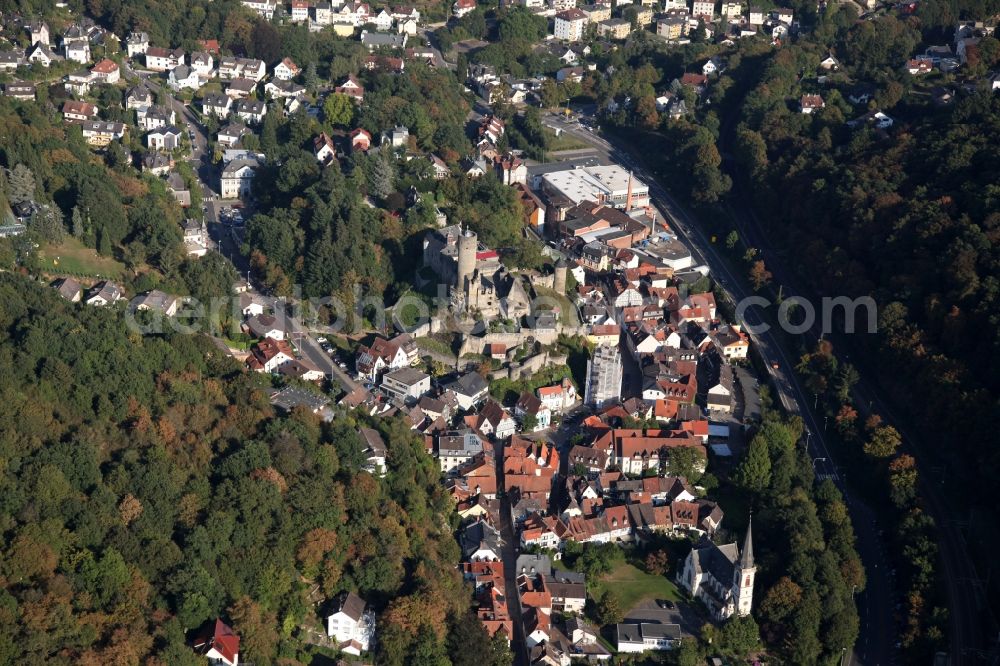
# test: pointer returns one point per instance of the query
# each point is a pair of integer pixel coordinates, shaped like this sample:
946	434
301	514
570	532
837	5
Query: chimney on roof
628	197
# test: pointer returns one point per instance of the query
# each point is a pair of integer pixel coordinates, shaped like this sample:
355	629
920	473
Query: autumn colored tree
883	442
257	628
759	275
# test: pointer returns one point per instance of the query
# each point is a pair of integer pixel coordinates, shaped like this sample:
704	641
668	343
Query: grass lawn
564	141
632	585
72	257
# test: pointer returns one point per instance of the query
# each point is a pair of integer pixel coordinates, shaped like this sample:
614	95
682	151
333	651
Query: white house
77	51
219	645
164	138
286	70
136	44
202	63
559	397
183	77
570	25
163	60
647	636
237	179
42	54
351	625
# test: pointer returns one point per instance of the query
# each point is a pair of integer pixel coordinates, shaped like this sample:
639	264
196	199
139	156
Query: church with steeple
721	577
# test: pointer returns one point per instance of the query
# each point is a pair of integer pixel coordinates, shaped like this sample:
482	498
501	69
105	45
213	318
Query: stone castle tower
559	281
468	243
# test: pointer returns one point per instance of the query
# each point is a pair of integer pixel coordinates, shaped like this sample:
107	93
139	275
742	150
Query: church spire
746	557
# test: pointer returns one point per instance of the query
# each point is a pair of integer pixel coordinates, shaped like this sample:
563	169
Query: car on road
665	603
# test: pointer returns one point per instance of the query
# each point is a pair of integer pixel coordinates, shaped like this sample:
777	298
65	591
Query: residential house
570	25
264	8
103	293
470	389
811	103
250	111
352	88
480	542
10	60
830	64
157	164
195	237
106	71
237	179
277	89
179	189
361	140
558	397
528	405
324	149
647	636
300	11
351	625
202	63
240	88
183	77
756	16
231	67
42	54
137	43
220	645
163	60
405	385
494	420
77	51
39	31
455	449
383	21
68	288
266	326
374	451
19	90
155	301
372	360
216	104
703	9
138	97
164	138
268	355
230	135
79	82
916	67
397	137
102	132
463	7
286	70
379	40
77	112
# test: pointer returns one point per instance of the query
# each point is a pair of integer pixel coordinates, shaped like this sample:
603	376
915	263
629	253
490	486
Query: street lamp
816	460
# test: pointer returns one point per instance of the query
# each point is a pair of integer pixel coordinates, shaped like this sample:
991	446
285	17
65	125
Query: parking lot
682	613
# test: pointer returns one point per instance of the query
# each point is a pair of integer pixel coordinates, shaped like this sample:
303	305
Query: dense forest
804	546
910	217
147	486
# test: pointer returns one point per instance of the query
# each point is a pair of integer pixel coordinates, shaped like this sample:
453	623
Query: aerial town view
499	332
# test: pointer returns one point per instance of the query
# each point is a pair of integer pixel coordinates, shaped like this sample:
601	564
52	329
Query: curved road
874	645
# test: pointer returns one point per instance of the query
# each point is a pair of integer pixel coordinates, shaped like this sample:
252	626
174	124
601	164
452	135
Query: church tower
743	575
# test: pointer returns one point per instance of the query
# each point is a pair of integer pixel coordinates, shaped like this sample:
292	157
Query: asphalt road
875	641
